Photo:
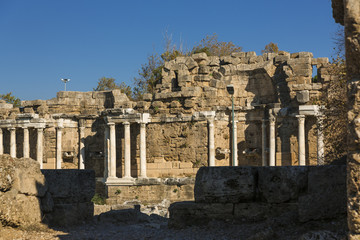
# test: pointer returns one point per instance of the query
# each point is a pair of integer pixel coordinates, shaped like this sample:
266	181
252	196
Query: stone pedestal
211	143
26	147
301	139
12	142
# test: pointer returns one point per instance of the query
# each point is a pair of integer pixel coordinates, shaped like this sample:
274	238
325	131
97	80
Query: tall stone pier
347	13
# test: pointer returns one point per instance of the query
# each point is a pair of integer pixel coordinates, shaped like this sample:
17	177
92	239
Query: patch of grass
118	192
98	199
175	190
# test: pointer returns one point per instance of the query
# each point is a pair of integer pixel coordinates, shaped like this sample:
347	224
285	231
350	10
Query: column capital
82	128
300	118
126	123
11	128
210	121
110	124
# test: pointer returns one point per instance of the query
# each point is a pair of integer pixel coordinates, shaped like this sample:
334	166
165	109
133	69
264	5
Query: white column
127	172
26	147
272	146
59	147
236	163
112	171
211	142
143	150
263	142
81	147
301	139
1	142
12	142
320	141
39	147
106	152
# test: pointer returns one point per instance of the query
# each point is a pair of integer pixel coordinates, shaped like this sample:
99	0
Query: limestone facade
184	125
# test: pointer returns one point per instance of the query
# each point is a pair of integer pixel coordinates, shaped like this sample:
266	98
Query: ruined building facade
186	124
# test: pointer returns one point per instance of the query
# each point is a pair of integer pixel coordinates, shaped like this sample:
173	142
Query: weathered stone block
190	213
303	96
326	196
281	184
70	186
225	184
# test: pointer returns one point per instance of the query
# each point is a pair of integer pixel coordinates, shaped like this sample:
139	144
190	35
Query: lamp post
65	80
231	91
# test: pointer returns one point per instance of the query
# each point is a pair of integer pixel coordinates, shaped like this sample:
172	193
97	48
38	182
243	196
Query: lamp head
230	89
65	80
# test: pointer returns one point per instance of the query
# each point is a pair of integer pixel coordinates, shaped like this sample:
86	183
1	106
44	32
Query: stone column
106	152
211	142
235	144
272	146
12	142
58	146
143	150
112	171
39	147
320	140
1	142
263	142
26	147
127	167
301	139
82	147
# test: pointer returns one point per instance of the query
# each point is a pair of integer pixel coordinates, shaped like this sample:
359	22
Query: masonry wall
252	194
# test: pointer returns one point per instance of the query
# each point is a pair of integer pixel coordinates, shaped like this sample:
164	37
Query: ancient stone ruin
186	124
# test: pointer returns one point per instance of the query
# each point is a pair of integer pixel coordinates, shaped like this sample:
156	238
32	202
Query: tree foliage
106	84
212	47
271	48
334	98
149	76
9	98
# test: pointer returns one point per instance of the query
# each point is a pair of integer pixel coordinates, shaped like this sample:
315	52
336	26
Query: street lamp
65	80
231	91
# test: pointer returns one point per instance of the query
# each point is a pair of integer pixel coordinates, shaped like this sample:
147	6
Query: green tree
149	76
9	98
271	48
212	47
106	84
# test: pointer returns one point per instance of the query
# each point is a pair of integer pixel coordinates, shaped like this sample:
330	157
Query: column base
113	181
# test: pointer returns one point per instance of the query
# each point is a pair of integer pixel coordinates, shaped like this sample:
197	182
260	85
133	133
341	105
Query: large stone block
326	196
225	184
281	184
190	213
70	186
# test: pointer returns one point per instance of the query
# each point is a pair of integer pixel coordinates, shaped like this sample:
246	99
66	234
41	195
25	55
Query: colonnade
301	141
26	143
110	152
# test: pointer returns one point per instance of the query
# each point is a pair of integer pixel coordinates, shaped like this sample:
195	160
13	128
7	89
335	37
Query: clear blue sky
42	41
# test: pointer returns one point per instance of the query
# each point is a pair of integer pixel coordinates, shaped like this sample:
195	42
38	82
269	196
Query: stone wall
248	194
189	108
153	191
